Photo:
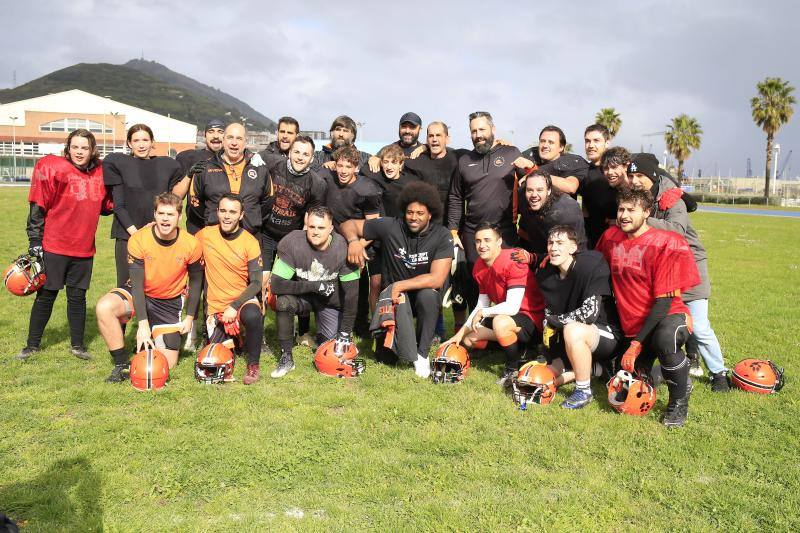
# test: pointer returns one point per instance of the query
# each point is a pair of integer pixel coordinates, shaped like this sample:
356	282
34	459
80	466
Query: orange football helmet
757	375
631	395
450	364
149	370
534	382
25	275
339	360
214	364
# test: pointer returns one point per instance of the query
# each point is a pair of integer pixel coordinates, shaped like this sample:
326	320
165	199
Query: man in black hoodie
343	133
278	150
483	190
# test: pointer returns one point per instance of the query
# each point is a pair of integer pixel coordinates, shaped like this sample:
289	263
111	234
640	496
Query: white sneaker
422	367
307	339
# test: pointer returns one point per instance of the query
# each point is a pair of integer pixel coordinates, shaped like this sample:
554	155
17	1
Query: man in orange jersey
233	267
161	260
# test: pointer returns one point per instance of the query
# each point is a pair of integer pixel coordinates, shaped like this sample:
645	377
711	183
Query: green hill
160	91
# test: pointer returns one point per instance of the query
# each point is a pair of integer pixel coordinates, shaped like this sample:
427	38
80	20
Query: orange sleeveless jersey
226	263
165	267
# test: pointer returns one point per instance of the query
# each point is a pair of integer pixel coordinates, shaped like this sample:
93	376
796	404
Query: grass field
389	452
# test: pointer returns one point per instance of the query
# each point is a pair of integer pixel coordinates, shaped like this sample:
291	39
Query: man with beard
581	322
232	260
485	181
599	199
343	133
296	188
669	213
543	209
191	163
416	254
650	268
350	195
510	306
278	150
567	170
410	124
312	274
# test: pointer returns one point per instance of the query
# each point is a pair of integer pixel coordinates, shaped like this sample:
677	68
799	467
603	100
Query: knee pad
250	315
672	361
76	295
287	303
507	339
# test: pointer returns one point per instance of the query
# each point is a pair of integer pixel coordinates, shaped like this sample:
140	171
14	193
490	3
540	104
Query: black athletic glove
35	249
197	168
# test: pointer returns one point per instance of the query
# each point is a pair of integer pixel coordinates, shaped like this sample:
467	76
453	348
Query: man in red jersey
67	197
518	312
649	270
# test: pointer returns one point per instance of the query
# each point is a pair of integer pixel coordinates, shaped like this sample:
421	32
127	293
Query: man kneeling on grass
515	318
161	259
581	322
416	255
311	273
650	268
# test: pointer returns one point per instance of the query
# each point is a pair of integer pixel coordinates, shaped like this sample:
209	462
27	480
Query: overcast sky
528	63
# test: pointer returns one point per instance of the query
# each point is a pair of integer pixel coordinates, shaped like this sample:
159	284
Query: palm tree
609	118
682	136
772	108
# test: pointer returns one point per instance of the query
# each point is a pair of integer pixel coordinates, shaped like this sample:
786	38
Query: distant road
748	211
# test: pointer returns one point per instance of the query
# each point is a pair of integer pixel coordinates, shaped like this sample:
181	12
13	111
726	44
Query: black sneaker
26	352
80	352
285	365
119	373
719	381
676	413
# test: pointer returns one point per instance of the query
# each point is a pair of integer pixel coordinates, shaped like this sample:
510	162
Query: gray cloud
529	64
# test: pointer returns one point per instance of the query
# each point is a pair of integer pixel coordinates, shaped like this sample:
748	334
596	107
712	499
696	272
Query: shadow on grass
64	498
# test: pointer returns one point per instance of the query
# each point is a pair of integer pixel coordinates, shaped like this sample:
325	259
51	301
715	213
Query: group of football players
610	283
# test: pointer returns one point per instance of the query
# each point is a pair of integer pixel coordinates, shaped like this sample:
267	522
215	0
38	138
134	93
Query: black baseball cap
215	123
644	163
412	118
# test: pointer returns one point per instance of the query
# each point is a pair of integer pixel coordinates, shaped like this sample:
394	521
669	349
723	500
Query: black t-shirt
533	227
483	189
437	172
292	197
406	255
599	203
188	158
390	190
588	277
297	259
354	201
134	183
566	165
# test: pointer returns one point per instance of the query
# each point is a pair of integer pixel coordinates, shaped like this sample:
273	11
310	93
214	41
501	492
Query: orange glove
630	355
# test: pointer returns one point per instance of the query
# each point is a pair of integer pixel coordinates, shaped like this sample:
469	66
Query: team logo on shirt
499	161
411	260
252	174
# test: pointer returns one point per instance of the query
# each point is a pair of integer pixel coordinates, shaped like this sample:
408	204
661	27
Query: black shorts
607	348
163	316
375	265
527	331
65	270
